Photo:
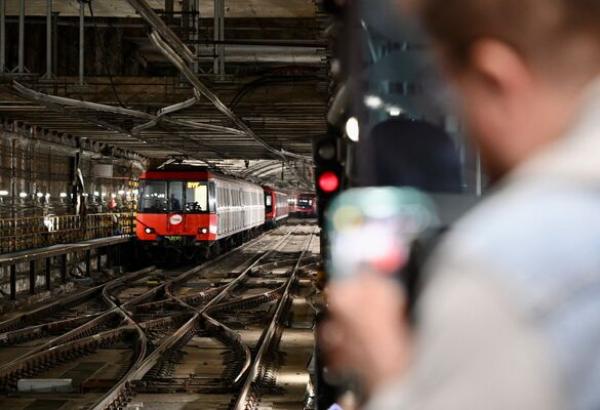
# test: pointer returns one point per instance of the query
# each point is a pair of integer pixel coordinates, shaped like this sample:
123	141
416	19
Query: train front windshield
173	196
305	203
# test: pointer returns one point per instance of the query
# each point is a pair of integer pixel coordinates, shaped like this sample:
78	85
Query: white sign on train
176	219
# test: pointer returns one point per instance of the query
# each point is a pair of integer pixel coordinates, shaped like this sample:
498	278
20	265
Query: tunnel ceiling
163	83
119	8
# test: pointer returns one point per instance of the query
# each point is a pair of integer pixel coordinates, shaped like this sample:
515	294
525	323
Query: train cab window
176	197
153	196
305	203
196	197
268	202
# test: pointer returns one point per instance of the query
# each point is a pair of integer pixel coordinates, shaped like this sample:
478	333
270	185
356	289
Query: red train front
197	212
276	207
305	206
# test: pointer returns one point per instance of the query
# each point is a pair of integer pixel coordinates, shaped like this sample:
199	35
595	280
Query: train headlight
149	230
203	231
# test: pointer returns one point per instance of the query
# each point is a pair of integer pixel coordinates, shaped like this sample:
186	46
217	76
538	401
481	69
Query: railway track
201	338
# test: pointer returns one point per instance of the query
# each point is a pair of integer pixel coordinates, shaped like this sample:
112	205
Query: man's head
519	65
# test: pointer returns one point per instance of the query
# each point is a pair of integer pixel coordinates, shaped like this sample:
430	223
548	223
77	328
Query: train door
175	215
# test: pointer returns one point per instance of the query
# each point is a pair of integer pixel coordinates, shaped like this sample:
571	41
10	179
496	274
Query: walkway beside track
61	251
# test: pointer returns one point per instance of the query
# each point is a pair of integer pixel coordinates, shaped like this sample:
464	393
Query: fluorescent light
353	129
373	101
39	194
395	111
96	193
121	192
3	193
63	194
23	195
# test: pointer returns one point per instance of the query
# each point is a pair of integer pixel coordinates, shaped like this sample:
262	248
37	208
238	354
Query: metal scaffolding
219	35
49	42
2	36
21	64
81	42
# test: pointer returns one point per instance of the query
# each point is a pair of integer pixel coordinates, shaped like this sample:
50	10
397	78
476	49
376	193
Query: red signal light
329	182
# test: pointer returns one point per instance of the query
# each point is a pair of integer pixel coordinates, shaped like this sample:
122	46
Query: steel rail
85	339
33	332
40	360
73	300
154	357
120	392
52	352
214	305
243	398
166	286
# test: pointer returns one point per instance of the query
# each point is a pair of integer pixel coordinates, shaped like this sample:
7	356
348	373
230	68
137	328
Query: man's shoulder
551	214
540	243
528	230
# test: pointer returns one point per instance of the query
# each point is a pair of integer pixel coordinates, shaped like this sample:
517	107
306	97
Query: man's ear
501	68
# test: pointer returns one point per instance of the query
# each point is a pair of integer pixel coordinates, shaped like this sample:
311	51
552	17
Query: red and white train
199	213
304	206
277	208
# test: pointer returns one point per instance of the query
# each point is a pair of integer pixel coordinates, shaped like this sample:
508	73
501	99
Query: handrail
23	233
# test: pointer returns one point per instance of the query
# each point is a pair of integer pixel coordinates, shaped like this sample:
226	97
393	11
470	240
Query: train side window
196	197
211	197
